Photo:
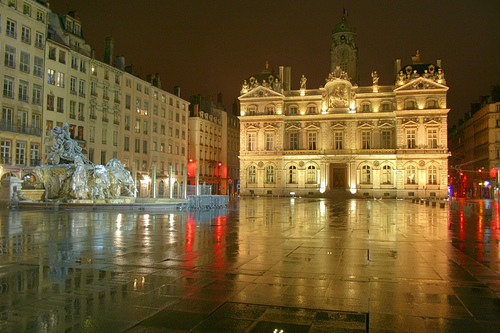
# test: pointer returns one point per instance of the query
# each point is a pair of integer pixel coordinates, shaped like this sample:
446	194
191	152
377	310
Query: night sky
211	46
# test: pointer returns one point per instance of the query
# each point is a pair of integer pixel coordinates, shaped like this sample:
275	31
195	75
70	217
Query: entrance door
338	176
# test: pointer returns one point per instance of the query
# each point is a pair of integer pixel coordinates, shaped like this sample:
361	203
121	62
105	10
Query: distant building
154	135
475	150
207	156
375	140
22	38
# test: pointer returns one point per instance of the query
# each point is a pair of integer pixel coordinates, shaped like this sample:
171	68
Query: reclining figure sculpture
71	175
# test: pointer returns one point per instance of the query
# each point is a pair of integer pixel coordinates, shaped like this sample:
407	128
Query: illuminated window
270	174
432	138
411	175
252	173
386	139
411	138
312	140
386	175
252	137
292	174
338	140
366	175
294	141
366	140
311	174
269	140
432	175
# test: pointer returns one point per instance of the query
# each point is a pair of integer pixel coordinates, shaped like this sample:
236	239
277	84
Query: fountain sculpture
70	176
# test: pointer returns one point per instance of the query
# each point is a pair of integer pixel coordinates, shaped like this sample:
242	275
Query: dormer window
78	29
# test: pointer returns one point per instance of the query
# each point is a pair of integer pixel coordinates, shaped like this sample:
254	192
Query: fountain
72	177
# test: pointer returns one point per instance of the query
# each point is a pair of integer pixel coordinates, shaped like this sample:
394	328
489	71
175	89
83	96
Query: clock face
343	54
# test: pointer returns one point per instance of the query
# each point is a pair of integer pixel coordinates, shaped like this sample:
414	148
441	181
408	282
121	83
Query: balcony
93	116
14	128
81	118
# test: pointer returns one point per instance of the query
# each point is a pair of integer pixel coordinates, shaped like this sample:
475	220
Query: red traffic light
220	163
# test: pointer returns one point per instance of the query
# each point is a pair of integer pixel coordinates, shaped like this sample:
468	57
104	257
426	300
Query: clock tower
344	52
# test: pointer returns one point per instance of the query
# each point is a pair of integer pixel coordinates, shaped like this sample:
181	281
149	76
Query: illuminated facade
375	141
22	38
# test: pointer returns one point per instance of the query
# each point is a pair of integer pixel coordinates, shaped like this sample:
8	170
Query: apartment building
23	31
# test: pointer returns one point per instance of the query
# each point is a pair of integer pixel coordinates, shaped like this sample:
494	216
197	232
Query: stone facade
375	141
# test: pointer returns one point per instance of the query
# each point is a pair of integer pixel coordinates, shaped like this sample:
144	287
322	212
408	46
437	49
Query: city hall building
373	141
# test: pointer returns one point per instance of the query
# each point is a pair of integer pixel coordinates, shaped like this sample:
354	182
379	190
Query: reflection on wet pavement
291	264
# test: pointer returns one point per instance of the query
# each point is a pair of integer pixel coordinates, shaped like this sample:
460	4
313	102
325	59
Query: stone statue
415	75
277	85
401	78
337	72
303	81
428	75
375	78
244	87
440	76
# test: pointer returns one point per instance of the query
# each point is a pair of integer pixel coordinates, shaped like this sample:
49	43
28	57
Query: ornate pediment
386	124
432	120
338	124
272	125
409	121
311	124
252	125
365	124
421	83
292	126
260	91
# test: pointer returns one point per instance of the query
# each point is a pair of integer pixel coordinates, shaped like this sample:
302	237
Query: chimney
149	78
397	66
120	62
196	108
281	73
438	63
287	85
157	81
108	51
177	91
219	98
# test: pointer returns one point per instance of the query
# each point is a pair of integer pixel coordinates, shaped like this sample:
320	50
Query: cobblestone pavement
264	265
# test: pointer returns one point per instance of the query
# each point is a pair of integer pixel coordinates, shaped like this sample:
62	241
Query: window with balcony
432	138
411	138
38	66
23	91
10	56
312	138
11	29
50	102
26	35
366	139
51	76
37	94
8	87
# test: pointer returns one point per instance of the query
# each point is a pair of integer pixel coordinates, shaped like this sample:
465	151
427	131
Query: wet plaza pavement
263	265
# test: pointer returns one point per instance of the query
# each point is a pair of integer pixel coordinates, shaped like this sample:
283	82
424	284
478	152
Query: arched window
410	105
411	174
386	175
270	174
365	107
431	104
252	172
366	174
292	174
432	175
311	174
